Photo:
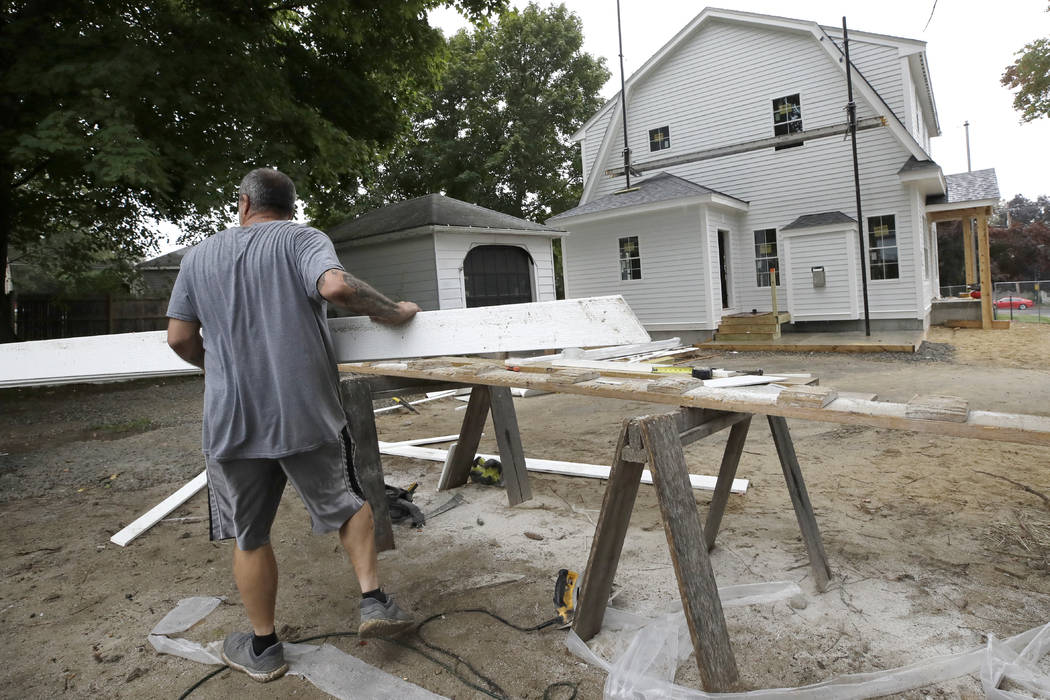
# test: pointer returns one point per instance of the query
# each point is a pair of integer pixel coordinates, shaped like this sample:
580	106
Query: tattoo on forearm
361	297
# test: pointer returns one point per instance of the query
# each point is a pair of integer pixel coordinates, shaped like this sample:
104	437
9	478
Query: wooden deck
888	341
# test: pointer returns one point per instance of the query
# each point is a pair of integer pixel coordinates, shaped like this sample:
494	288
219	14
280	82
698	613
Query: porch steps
763	326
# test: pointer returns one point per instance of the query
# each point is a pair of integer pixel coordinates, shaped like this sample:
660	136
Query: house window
765	255
882	247
659	139
787	118
630	259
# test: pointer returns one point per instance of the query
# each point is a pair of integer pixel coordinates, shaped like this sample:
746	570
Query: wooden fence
43	317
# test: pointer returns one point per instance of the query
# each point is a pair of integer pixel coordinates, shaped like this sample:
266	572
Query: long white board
551	466
538	326
90	358
516	327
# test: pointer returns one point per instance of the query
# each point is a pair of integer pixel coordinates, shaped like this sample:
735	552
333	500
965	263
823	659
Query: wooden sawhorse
357	393
658	440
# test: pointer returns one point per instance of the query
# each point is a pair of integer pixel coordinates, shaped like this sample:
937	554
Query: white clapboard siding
516	327
672	288
712	92
451	249
403	270
592	142
880	65
835	252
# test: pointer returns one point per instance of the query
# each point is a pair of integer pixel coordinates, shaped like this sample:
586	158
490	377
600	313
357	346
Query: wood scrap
673	385
572	376
809	396
933	407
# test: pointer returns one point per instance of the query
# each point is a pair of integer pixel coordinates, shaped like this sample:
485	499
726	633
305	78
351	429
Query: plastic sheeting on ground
646	669
330	669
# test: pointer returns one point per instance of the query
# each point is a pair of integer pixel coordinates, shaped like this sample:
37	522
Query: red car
1015	302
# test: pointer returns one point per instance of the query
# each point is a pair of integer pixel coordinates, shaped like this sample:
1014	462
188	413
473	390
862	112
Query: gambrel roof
828	39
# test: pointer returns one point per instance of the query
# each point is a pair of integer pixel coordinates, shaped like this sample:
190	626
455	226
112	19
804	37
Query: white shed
443	253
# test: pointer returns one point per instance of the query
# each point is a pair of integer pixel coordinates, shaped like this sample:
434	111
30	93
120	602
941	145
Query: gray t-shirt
271	385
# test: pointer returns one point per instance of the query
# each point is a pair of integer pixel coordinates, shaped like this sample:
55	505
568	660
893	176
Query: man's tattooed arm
345	290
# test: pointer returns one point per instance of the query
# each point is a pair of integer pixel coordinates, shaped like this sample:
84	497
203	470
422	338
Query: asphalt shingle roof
429	210
657	188
826	218
172	259
967	187
913	164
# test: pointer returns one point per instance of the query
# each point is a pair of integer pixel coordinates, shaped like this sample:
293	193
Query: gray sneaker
238	653
379	620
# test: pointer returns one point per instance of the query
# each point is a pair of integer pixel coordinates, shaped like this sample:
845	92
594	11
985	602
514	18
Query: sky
969	44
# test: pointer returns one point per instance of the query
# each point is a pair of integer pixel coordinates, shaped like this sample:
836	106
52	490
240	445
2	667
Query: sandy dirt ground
934	542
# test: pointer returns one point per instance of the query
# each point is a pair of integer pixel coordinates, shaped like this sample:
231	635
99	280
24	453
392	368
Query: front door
723	265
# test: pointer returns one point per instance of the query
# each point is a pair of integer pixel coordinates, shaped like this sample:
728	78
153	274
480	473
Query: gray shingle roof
168	260
826	218
429	210
913	164
968	187
657	188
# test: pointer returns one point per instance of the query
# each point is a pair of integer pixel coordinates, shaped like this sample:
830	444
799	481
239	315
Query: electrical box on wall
818	276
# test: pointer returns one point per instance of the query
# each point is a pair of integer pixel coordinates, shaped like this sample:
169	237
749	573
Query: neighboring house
727	191
159	273
446	254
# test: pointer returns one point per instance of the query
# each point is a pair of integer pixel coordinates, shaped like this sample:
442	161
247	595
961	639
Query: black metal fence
39	317
1026	302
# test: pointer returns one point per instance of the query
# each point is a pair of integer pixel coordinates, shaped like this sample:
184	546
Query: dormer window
659	139
787	118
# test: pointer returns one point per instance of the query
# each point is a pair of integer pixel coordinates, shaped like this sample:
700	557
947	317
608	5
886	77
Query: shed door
497	274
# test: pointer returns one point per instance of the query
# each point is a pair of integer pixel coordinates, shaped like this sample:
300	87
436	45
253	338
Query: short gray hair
268	189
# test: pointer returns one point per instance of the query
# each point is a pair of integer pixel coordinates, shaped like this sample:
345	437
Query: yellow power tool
566	595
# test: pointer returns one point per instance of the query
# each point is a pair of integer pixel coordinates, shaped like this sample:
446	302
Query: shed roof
429	210
171	260
973	186
657	188
826	218
913	164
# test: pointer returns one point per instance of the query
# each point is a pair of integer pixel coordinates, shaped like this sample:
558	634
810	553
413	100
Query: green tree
1030	76
117	114
497	132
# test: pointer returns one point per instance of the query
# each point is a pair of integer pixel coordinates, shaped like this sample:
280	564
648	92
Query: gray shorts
243	494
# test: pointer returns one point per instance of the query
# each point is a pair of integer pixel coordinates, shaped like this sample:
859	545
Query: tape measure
672	370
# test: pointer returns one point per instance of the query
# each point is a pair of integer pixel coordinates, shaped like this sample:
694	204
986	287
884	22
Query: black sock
261	644
377	594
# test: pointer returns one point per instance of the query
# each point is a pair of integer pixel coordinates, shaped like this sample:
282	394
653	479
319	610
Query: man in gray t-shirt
248	307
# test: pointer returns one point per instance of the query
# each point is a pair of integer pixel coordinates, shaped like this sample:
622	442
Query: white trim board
152	516
90	358
550	466
515	327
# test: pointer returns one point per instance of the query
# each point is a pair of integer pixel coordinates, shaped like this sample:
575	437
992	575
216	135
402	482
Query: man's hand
402	313
345	290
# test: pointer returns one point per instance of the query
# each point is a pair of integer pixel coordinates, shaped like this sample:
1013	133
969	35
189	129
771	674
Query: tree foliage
1030	76
1018	243
497	131
118	114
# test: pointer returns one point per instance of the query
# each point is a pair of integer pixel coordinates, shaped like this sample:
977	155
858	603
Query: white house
736	129
443	253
